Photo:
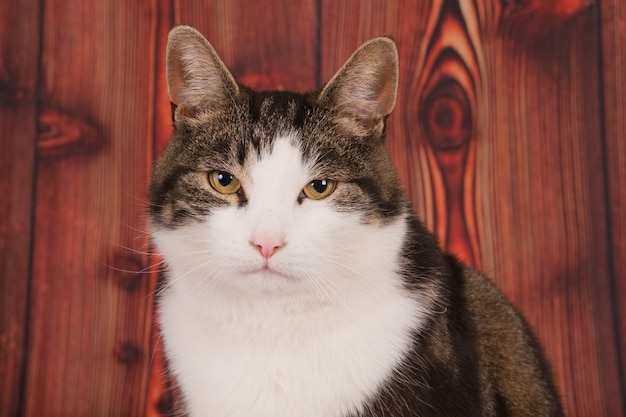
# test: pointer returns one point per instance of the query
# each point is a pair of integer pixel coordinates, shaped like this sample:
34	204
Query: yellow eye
319	189
223	182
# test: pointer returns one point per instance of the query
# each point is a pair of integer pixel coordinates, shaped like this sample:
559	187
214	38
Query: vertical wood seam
154	338
318	46
33	207
610	240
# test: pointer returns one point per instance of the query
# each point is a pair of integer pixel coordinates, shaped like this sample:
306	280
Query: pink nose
268	245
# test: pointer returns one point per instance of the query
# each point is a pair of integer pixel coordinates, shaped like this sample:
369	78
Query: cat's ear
195	73
363	91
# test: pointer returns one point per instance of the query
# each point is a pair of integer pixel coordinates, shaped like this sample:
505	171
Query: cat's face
277	192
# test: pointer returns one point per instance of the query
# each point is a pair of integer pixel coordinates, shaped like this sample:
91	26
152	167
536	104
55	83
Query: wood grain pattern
508	135
264	45
161	395
613	24
19	56
538	17
543	202
448	85
90	306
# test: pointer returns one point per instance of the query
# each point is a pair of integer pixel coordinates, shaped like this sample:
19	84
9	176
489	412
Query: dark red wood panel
160	398
266	45
508	135
544	201
19	62
91	307
613	27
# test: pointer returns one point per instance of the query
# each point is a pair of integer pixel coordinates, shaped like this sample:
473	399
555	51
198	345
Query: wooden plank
551	70
449	85
161	396
266	46
613	25
19	61
91	305
544	200
536	182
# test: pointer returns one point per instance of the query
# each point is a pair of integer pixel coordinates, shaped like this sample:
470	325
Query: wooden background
509	135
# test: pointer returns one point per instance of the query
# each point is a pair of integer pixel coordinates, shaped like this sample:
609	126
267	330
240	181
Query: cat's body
301	284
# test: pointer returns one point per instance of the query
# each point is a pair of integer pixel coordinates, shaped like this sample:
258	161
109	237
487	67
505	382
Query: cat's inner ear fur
363	91
197	79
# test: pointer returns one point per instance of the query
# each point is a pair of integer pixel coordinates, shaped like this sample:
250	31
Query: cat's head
276	191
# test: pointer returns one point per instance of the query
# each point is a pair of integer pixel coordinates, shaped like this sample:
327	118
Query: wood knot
542	9
531	18
128	268
446	115
11	93
62	134
127	353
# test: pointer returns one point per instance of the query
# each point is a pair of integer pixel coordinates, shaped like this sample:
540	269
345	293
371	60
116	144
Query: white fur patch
313	332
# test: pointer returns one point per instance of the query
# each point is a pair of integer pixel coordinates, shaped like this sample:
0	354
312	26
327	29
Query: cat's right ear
197	79
363	91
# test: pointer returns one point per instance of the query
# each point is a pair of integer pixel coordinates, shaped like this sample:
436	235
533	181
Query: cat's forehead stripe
269	116
266	106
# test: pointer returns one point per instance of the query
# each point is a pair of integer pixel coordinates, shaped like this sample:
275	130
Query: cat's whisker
202	265
322	287
141	232
135	251
154	349
147	270
207	279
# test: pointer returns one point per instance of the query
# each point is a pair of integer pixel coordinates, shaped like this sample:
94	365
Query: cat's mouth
268	272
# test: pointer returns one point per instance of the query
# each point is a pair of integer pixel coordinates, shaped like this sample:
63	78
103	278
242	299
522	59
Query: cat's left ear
363	91
197	79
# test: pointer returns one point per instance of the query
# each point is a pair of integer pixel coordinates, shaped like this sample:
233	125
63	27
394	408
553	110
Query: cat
300	283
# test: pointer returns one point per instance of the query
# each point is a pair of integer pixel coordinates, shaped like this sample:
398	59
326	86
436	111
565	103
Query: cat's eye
224	182
319	189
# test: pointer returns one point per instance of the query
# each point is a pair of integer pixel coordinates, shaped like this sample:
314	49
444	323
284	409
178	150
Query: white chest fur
282	358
